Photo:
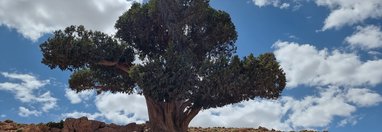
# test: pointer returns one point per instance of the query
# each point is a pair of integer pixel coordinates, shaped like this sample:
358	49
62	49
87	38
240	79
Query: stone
83	125
133	127
55	130
106	129
8	126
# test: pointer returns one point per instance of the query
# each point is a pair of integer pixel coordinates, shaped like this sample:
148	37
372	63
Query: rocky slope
84	125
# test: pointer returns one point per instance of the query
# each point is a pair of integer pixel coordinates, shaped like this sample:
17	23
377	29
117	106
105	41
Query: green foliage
82	51
76	48
188	51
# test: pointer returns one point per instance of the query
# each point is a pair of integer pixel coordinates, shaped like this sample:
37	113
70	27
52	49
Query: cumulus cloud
304	64
287	113
363	97
275	3
119	108
25	91
48	101
122	108
265	113
349	12
76	98
368	37
319	111
77	114
25	112
34	18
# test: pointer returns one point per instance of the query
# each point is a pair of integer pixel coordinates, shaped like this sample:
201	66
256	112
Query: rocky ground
85	125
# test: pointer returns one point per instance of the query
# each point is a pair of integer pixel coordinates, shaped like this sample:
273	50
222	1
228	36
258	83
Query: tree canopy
187	50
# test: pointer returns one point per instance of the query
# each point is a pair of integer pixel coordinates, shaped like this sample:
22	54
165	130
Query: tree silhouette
189	62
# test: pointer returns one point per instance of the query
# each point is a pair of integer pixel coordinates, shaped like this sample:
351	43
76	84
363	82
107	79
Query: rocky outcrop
84	125
10	126
71	125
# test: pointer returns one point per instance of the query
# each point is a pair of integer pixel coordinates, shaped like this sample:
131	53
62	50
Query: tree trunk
173	116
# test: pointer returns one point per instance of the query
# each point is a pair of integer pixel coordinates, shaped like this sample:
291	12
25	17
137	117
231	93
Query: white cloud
48	101
363	97
265	113
262	3
34	18
349	12
25	112
375	53
304	64
368	37
293	37
275	3
119	108
352	120
287	113
319	111
76	98
25	91
76	114
3	115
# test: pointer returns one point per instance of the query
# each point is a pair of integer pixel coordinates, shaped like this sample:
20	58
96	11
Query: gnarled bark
172	116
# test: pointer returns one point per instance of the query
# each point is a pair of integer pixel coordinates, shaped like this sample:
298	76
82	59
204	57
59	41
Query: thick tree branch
107	63
185	105
114	63
102	88
122	67
190	115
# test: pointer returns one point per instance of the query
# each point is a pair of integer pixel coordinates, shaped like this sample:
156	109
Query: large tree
188	61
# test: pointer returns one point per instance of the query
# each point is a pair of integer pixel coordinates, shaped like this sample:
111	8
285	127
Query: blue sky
329	49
